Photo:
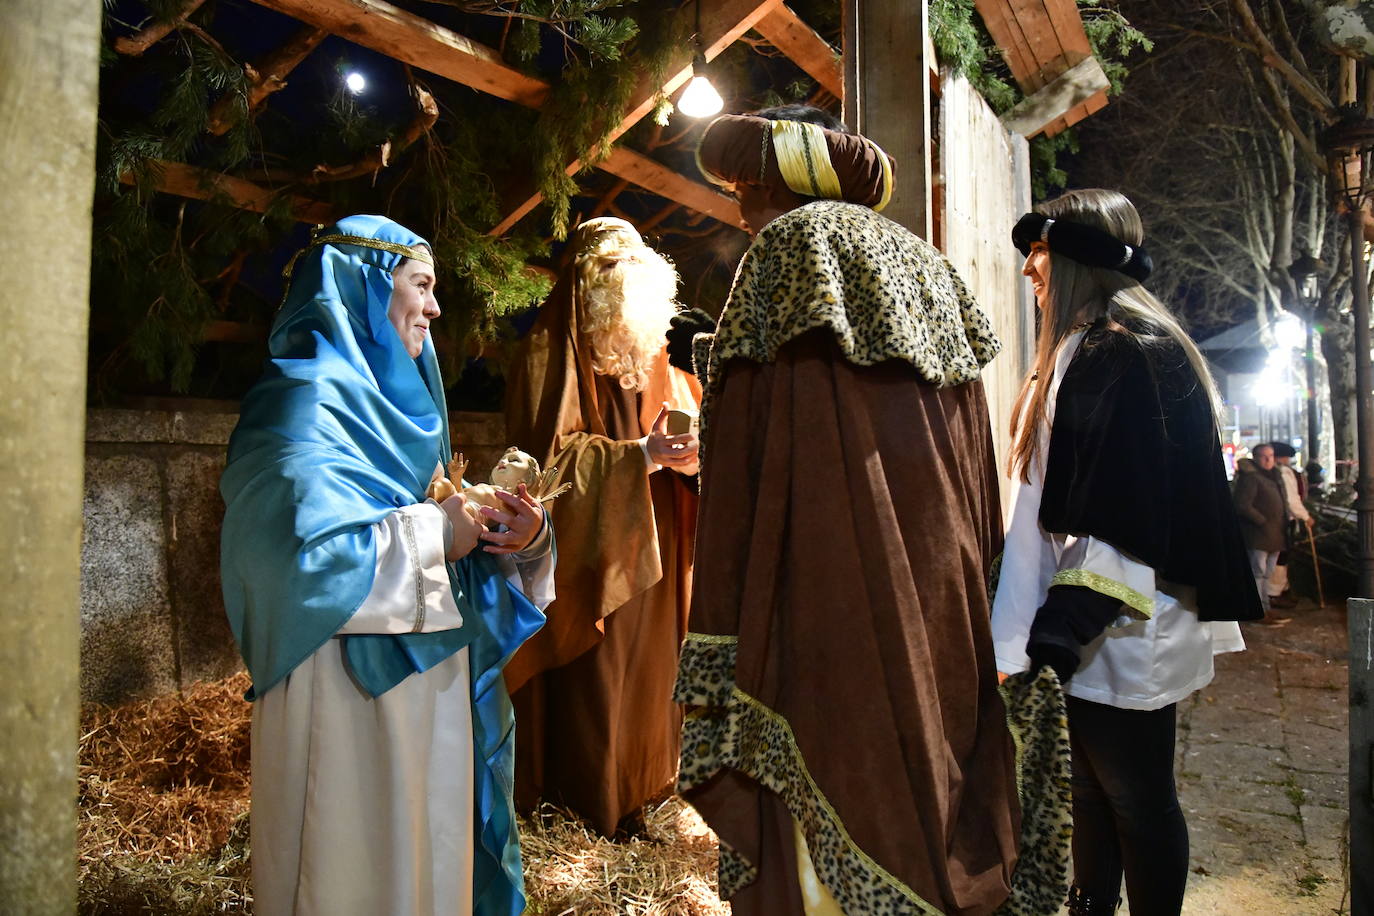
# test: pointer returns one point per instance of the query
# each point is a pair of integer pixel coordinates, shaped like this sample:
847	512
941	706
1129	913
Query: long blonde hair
1078	293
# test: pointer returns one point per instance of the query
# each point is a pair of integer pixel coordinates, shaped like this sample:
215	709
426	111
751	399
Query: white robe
365	806
1136	663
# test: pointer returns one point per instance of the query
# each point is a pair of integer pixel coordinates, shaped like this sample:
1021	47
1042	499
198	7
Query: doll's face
514	468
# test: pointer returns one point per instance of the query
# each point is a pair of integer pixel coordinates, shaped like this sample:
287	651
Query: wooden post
887	97
1361	630
49	72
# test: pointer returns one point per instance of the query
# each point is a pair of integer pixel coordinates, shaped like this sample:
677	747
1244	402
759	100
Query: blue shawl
343	428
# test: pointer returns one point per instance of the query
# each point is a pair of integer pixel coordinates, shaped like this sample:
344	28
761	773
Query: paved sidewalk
1262	763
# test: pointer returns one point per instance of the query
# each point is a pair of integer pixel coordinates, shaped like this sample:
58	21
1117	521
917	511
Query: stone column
49	54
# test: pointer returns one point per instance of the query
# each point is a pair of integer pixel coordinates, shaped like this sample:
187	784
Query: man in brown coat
1259	503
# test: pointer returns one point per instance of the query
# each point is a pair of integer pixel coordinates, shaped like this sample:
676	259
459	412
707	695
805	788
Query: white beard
626	312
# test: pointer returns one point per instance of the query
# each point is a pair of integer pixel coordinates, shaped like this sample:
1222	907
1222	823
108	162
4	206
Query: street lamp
1306	271
1349	145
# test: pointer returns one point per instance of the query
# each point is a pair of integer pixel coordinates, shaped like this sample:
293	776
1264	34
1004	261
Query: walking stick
1316	567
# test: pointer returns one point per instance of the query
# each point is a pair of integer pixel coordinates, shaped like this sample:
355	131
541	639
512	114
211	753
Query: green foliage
963	45
589	102
1046	173
1113	39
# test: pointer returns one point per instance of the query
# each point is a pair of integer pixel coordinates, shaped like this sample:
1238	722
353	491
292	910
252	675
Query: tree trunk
1338	345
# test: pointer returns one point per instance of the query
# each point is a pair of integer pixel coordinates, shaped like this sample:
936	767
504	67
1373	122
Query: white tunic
365	806
1136	663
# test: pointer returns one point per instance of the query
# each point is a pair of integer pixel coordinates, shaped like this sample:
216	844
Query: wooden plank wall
986	184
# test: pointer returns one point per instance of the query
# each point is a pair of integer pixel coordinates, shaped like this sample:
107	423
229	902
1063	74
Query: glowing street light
1289	332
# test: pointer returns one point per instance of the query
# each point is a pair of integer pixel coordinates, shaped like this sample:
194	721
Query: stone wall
152	618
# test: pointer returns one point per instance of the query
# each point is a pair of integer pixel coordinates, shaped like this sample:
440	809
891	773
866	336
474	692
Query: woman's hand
523	516
466	529
678	452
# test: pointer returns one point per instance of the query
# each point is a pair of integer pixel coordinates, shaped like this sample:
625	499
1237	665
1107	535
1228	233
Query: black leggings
1125	807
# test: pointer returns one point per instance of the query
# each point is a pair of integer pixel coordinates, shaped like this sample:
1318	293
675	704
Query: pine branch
267	76
134	45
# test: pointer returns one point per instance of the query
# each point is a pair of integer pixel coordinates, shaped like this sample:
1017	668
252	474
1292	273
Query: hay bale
163	829
163	804
669	870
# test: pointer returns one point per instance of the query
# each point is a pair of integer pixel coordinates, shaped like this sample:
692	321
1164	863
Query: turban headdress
804	157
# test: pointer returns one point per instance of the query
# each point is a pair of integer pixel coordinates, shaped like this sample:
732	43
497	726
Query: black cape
1135	461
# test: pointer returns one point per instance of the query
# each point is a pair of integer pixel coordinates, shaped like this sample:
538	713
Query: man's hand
466	529
678	452
523	516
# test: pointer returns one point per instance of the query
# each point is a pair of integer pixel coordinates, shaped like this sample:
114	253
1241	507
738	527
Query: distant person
1298	521
847	741
374	621
1261	507
1124	568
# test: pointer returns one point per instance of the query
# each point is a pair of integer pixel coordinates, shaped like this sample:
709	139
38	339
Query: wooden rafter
785	31
427	46
1040	40
135	45
663	181
403	36
267	76
723	22
203	184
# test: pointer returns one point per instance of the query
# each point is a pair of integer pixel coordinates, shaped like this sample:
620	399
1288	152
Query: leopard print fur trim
884	292
732	729
1039	726
729	728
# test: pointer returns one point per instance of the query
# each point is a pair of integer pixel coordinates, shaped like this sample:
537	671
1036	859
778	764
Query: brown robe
841	657
596	728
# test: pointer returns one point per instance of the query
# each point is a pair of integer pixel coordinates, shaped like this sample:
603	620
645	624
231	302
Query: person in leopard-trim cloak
1124	568
846	740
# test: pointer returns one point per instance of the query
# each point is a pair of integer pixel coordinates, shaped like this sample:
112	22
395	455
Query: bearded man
587	394
848	743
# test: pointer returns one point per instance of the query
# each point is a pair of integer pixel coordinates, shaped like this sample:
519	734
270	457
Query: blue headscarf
344	428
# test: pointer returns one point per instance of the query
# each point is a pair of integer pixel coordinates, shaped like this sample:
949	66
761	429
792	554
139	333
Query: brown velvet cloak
848	521
596	726
840	668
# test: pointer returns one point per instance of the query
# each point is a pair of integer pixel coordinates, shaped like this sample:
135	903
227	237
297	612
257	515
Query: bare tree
1217	142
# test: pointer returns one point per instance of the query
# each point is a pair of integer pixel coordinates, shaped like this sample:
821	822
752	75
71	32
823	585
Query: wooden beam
722	24
202	184
147	37
663	181
266	77
406	37
785	30
880	40
1062	95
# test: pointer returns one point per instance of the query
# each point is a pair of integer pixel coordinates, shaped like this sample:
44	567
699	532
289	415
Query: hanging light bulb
700	99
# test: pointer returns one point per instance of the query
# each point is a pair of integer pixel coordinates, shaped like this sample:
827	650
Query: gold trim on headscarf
414	252
804	159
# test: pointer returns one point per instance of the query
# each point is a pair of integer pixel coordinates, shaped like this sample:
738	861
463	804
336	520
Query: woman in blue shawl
374	629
